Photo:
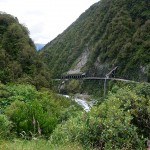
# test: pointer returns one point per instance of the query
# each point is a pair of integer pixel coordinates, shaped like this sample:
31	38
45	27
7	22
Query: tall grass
38	144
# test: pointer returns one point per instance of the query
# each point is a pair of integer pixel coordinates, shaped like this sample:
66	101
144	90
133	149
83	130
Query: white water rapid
86	105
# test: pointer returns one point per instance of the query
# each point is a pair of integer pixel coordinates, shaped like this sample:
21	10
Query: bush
119	122
5	126
12	92
73	86
36	112
136	100
32	118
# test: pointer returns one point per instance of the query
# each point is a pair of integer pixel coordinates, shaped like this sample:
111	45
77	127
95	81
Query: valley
87	89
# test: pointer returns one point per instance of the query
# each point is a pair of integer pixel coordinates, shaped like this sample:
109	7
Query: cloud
45	19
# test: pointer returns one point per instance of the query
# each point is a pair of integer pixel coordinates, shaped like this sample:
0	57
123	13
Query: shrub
5	126
12	92
37	112
73	86
137	102
119	122
26	91
31	118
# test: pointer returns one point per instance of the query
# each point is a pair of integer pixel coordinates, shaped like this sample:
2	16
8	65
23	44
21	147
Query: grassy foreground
37	144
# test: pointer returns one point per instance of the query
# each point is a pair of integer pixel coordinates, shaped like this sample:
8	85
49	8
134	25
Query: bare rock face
80	62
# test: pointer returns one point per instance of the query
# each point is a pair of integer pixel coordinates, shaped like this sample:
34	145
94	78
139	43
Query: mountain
111	33
39	46
19	60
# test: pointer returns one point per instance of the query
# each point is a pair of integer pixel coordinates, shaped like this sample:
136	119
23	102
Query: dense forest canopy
116	33
19	60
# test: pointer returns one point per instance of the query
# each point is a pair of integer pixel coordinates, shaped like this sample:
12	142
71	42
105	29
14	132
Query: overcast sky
45	19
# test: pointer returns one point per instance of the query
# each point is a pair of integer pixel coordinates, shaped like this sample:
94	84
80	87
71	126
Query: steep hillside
19	60
115	33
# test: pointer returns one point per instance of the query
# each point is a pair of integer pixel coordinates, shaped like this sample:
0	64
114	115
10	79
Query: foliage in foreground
38	144
31	112
5	126
120	122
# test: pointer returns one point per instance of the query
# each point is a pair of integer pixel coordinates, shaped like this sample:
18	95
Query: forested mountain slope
19	60
113	32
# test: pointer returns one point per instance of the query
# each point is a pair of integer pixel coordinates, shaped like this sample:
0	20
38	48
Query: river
86	105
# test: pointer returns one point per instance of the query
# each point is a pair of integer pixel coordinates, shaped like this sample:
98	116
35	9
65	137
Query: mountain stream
86	105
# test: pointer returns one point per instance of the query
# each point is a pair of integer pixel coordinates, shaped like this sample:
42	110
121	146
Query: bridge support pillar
105	81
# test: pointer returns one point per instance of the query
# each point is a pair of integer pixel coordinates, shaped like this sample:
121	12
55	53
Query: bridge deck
99	78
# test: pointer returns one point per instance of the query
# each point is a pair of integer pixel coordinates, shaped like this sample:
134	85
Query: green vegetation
33	117
38	144
28	109
5	126
32	113
28	116
19	61
116	33
121	121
